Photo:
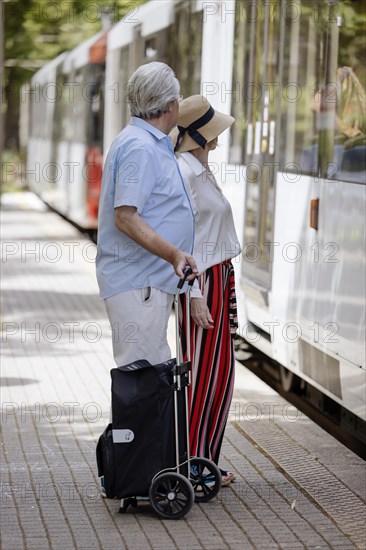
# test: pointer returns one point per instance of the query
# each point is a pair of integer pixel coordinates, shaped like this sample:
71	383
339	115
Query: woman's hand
200	313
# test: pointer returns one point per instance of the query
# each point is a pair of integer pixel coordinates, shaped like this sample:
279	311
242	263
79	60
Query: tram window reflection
302	69
350	116
185	47
324	132
340	110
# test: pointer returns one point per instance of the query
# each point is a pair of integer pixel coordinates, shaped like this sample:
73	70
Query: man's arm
130	222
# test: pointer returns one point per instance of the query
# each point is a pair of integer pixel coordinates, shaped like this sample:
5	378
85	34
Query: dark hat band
192	129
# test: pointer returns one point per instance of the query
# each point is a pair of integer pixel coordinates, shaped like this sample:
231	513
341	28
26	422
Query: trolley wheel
205	477
171	495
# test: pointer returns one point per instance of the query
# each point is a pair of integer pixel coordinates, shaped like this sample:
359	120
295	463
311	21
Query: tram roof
43	74
122	32
79	56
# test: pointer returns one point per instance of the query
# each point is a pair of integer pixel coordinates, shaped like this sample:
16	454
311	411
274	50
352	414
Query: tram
65	147
292	165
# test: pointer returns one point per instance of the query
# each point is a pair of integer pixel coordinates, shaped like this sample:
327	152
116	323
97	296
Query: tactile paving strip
335	499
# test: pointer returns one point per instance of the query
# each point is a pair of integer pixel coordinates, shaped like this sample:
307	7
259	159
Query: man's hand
200	313
180	261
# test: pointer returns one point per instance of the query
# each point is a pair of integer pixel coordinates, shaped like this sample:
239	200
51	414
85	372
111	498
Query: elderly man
146	223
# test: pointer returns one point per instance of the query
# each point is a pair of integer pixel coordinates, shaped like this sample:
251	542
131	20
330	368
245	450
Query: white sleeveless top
215	237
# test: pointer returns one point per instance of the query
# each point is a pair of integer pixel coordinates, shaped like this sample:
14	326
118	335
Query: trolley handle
187	272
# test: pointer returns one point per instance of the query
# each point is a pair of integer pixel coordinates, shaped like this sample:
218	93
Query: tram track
329	415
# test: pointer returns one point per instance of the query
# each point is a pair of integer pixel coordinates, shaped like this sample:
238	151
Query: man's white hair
150	90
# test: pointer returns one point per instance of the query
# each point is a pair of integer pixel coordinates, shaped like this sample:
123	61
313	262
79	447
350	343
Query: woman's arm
201	314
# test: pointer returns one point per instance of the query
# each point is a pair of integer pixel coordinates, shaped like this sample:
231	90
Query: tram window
155	47
255	107
36	125
33	117
303	64
151	49
238	105
64	107
323	125
123	79
80	106
185	47
350	95
45	105
95	99
163	45
39	104
60	107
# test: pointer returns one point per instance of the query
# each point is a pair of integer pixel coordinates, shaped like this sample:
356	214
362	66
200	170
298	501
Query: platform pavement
296	488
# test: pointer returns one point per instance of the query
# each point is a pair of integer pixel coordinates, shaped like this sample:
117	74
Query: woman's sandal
225	481
227	477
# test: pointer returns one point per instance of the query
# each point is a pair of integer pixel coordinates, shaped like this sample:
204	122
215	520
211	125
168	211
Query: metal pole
176	302
188	338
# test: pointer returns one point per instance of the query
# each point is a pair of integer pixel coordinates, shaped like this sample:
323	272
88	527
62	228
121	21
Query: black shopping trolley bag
140	440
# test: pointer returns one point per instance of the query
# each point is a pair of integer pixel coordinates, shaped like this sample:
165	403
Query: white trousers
139	322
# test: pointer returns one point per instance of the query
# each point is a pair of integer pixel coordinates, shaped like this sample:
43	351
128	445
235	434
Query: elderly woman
213	304
146	225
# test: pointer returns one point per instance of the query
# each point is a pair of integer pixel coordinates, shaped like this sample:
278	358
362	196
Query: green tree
36	31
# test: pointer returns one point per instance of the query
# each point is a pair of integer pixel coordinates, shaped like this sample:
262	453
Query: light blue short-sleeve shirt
141	171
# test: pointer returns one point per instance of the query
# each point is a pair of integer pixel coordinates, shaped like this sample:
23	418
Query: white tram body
64	161
292	165
40	143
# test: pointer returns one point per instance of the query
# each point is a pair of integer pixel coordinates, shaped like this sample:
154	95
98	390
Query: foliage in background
39	30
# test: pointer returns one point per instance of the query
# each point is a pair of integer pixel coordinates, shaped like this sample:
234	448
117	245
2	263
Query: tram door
261	94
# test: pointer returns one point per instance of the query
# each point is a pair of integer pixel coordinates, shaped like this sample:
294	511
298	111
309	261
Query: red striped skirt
213	363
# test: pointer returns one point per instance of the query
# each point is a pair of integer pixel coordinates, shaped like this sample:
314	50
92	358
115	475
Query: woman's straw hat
198	123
